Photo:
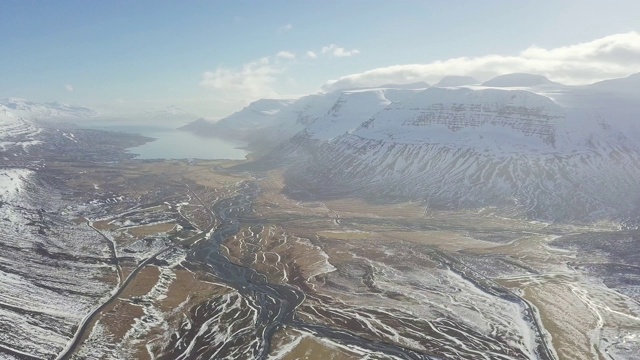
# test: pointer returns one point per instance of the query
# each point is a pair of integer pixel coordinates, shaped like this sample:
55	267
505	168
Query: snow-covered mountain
28	110
265	123
246	124
519	143
453	80
15	131
519	79
350	108
19	120
259	114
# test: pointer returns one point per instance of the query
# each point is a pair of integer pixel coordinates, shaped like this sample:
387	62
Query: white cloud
605	58
69	88
284	28
335	50
311	54
253	80
286	55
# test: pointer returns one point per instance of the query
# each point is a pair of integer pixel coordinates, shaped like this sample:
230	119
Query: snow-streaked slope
19	121
625	86
322	115
259	114
16	133
518	79
266	120
51	271
489	118
578	186
351	108
12	182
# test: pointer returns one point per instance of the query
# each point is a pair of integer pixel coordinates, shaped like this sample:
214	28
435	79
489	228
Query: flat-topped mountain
519	79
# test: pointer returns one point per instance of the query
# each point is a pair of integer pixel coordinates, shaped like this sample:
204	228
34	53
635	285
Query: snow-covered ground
51	269
15	133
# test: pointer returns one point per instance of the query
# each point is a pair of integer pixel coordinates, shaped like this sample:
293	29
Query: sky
213	57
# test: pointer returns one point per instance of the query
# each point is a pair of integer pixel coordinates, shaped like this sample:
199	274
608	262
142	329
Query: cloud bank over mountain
605	58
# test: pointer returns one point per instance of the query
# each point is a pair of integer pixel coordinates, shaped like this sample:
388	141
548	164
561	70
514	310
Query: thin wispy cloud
253	80
69	88
335	50
286	55
311	55
605	58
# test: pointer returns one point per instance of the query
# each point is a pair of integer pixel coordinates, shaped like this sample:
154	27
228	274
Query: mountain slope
265	123
16	132
20	121
518	80
470	148
351	107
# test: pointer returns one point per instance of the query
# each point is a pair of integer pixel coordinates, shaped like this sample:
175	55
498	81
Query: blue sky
212	57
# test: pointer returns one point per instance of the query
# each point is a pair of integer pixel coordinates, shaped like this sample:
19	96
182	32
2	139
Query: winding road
88	320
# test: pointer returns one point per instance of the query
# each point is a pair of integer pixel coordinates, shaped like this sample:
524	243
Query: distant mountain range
19	117
21	120
28	110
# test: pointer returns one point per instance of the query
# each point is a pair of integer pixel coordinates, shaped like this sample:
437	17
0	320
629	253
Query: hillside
553	153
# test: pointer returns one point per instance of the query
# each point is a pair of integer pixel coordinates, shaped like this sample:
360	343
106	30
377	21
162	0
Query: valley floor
120	259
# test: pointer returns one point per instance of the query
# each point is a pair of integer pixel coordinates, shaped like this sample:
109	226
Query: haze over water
175	144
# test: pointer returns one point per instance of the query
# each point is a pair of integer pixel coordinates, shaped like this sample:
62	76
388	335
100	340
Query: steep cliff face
551	186
461	115
351	108
267	122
